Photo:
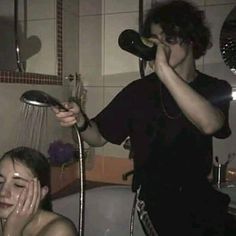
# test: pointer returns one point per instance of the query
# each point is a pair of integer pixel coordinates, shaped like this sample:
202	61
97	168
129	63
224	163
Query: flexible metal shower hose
82	181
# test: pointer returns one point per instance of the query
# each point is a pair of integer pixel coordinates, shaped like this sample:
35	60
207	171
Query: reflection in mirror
9	59
228	41
7	45
31	47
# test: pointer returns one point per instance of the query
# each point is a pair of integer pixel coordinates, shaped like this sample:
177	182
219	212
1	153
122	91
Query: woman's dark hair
180	20
38	164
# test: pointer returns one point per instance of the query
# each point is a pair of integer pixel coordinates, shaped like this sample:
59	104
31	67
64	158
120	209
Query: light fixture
233	93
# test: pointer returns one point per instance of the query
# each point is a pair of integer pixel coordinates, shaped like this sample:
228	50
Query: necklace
164	109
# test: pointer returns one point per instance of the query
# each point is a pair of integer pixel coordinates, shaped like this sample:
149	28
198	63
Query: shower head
40	98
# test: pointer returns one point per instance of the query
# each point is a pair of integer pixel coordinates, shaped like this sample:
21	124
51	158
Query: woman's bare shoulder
60	226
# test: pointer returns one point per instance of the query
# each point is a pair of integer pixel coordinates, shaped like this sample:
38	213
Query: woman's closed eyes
17	181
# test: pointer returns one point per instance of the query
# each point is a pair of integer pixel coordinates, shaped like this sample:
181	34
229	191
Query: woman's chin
4	213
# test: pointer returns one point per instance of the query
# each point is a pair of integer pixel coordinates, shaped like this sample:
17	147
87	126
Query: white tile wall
70	42
90	7
121	79
196	2
121	6
92	75
115	59
219	2
71	6
90	45
7	8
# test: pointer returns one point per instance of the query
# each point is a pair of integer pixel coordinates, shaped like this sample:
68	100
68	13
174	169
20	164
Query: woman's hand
25	209
69	118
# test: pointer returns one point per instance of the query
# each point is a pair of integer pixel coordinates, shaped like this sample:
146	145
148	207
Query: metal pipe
140	26
17	47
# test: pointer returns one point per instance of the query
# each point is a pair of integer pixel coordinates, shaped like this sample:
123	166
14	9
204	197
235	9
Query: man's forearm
92	136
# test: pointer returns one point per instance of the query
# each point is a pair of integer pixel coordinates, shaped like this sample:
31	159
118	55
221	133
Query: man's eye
171	40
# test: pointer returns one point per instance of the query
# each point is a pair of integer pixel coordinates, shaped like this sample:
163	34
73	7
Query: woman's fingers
29	197
32	198
21	200
35	193
38	195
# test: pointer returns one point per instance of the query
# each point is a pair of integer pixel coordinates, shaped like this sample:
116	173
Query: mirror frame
36	78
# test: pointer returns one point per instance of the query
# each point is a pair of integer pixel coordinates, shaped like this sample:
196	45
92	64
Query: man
170	116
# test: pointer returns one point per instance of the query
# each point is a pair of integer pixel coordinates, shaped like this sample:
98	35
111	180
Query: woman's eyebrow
20	178
17	177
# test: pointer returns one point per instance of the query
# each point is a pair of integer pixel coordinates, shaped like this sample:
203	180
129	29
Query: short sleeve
113	120
221	99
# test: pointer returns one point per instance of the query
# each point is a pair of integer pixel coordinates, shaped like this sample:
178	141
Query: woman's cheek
17	193
17	196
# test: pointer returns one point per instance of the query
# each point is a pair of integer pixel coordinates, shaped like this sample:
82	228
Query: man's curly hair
180	20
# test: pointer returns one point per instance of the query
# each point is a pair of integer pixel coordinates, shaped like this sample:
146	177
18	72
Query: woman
25	204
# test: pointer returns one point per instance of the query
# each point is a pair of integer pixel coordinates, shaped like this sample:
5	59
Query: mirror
228	41
31	41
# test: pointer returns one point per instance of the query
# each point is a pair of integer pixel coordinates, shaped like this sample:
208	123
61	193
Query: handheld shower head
40	98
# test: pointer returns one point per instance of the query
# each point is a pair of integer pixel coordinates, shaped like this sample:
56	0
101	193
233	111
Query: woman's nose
5	190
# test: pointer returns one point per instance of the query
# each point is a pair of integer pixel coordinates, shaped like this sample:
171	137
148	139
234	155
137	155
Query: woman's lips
5	205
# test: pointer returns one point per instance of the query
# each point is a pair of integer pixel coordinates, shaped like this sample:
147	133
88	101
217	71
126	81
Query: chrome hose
80	151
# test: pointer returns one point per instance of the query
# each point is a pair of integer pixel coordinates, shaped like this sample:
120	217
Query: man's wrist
84	126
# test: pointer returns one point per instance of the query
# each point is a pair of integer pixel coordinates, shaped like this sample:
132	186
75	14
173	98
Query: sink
230	189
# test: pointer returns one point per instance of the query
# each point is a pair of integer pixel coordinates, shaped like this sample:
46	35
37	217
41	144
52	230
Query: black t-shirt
169	152
167	147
